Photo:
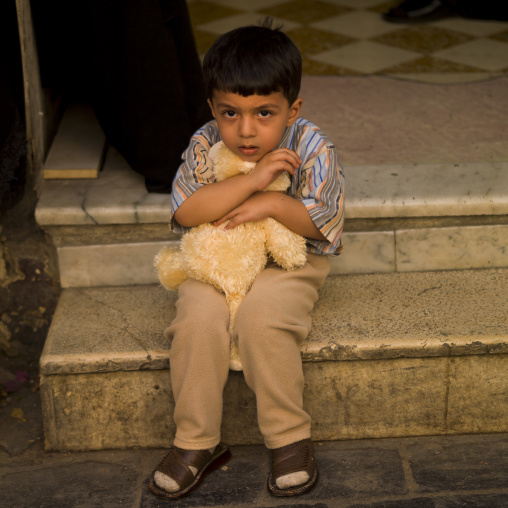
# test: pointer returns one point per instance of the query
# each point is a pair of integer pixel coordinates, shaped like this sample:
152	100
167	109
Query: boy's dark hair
252	60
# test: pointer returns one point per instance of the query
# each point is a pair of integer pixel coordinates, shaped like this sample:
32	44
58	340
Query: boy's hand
256	207
272	165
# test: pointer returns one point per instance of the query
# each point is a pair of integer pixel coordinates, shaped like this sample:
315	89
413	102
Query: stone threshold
119	196
447	211
407	218
409	150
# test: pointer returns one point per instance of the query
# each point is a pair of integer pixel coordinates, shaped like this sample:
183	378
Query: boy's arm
289	211
214	201
315	206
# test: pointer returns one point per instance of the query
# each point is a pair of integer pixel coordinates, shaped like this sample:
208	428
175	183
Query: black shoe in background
419	11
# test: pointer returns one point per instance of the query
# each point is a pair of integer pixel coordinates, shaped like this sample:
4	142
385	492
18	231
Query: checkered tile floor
349	37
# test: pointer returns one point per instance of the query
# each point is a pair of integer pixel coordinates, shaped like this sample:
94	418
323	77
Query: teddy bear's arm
287	248
170	269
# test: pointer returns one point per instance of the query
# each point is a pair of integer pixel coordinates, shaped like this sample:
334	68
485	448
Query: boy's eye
264	113
229	114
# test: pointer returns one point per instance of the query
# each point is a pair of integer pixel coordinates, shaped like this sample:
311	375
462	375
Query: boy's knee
254	313
201	305
260	321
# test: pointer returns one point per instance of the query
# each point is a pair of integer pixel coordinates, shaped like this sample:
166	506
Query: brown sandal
176	462
289	459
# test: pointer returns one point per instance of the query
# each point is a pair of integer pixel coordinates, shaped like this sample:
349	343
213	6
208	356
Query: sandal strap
176	464
295	457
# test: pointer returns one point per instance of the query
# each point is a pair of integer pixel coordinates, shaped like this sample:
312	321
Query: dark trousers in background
483	9
136	62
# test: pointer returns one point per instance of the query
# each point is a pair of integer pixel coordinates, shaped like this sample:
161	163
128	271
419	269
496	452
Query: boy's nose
246	128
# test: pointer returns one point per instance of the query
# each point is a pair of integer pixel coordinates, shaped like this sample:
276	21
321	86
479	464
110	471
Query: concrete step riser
347	400
408	250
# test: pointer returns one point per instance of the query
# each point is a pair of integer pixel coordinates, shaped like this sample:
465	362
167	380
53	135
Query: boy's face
252	126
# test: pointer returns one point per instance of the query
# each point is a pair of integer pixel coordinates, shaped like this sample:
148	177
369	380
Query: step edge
358	206
51	364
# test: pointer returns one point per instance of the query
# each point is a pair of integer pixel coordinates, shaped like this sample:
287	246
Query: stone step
426	186
390	355
398	218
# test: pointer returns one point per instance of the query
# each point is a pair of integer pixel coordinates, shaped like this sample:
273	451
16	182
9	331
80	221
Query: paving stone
353	474
460	464
347	473
82	485
19	434
473	501
301	504
419	502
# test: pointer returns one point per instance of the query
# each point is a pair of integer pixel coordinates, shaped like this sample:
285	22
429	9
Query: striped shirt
318	183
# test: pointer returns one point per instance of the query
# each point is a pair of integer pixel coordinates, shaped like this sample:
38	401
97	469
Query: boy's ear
211	107
294	111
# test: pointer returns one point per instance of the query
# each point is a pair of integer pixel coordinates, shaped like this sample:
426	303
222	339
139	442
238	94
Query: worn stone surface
457	466
478	394
85	485
358	317
460	248
400	250
109	265
109	329
410	315
456	188
407	397
383	398
101	411
107	234
346	400
389	355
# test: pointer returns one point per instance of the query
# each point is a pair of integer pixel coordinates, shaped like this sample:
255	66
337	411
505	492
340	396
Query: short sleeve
195	171
320	186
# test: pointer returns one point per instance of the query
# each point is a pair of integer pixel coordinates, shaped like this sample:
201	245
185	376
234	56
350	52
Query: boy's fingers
218	222
283	161
290	156
231	224
291	169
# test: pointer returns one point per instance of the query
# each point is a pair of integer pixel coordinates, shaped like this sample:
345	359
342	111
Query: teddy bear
231	259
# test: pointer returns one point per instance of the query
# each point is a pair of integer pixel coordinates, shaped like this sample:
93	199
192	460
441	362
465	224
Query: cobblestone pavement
425	472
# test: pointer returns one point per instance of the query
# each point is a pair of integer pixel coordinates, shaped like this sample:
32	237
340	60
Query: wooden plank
78	148
36	127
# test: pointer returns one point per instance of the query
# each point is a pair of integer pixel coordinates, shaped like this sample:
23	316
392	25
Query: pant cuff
196	445
278	442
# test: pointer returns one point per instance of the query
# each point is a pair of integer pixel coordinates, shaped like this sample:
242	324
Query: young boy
252	76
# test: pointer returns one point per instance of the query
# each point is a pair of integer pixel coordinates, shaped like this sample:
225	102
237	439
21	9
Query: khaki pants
272	322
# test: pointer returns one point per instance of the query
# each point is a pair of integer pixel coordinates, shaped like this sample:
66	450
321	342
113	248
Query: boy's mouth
248	150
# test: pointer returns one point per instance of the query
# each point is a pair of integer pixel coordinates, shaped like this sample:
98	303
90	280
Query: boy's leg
199	364
272	323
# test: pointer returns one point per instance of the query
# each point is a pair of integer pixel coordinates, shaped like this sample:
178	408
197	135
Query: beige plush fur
231	259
